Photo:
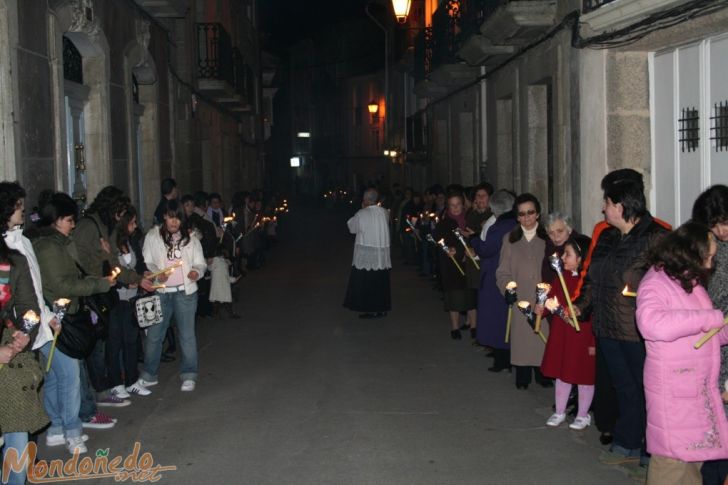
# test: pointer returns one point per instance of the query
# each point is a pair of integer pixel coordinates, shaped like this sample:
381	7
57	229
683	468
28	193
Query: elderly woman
560	228
520	261
491	320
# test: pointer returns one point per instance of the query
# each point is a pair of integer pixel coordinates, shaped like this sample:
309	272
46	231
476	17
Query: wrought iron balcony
221	68
423	54
445	32
591	5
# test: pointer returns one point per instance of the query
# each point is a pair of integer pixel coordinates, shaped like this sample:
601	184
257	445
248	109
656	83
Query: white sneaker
59	439
76	445
119	391
138	389
188	386
555	420
581	423
145	383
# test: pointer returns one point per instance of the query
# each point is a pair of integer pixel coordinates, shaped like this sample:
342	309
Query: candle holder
510	297
558	266
525	308
446	250
60	306
542	294
460	237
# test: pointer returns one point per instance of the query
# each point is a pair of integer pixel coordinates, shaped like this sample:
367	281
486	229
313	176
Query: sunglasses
526	213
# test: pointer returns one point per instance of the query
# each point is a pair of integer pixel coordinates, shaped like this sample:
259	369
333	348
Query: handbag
149	310
101	303
77	338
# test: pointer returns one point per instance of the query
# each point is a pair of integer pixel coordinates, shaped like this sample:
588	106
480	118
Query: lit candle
460	237
511	297
558	266
59	308
542	293
525	308
626	292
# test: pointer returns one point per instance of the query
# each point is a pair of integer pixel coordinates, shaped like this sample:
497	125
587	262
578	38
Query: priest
369	288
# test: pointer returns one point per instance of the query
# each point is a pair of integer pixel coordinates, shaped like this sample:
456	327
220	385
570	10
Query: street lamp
373	107
401	9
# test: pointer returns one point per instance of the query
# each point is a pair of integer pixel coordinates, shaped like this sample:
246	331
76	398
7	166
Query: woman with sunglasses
520	261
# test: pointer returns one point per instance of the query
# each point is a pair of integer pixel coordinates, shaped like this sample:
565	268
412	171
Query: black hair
173	209
200	199
483	186
109	203
58	206
214	195
437	189
711	207
631	195
168	185
578	248
621	175
10	195
681	254
517	233
186	198
122	232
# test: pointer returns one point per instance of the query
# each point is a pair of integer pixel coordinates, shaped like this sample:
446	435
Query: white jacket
155	257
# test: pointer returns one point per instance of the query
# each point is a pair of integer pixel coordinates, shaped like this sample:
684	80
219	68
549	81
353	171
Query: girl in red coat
570	355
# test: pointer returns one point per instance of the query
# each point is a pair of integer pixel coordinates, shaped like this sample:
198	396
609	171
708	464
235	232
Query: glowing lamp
373	107
401	9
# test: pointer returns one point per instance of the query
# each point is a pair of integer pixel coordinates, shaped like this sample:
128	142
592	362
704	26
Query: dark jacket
452	279
21	409
617	260
209	240
57	258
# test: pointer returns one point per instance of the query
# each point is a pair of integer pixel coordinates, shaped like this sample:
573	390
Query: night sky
287	21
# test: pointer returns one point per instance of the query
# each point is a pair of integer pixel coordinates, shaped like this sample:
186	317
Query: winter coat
491	304
21	409
569	355
452	279
155	255
685	419
61	277
520	261
94	260
718	291
617	260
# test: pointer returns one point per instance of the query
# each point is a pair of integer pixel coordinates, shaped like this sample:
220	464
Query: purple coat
492	308
685	418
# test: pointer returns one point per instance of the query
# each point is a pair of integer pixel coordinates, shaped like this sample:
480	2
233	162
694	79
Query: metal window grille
72	62
719	126
589	5
134	89
689	129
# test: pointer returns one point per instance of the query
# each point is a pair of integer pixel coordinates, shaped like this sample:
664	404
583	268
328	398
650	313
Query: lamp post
401	9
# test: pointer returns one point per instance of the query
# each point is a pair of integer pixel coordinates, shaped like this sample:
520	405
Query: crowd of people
626	326
88	298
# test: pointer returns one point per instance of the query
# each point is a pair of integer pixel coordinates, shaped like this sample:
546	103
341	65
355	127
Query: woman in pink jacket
685	422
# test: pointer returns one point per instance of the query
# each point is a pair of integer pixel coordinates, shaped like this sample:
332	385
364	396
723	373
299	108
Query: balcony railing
590	5
215	53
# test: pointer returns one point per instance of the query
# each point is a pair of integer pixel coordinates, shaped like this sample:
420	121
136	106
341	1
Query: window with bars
689	129
719	126
72	62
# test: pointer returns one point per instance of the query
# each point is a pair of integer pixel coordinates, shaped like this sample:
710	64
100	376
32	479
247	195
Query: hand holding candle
60	306
164	272
446	250
553	306
460	237
710	334
628	293
558	266
511	297
542	293
525	308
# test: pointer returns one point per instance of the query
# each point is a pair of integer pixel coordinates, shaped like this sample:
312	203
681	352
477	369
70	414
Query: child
686	424
570	355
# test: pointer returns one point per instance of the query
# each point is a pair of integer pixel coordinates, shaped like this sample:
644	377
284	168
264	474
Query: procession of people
92	306
627	326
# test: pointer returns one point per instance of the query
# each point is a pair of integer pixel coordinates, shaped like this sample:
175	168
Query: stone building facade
123	92
547	97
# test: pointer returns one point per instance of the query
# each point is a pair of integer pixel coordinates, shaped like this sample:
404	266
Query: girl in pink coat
686	424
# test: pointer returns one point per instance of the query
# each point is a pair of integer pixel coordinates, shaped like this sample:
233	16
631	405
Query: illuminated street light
295	161
303	134
386	153
401	9
373	107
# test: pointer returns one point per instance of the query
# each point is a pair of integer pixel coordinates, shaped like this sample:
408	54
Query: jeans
121	345
625	362
18	441
182	308
96	366
88	408
62	393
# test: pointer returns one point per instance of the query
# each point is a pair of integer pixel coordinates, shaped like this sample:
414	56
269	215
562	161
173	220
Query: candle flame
62	302
524	305
31	316
627	292
512	285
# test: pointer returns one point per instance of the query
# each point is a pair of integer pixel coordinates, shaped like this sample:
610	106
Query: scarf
529	234
462	223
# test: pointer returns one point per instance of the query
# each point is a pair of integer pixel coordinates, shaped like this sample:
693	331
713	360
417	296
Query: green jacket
57	256
21	409
88	231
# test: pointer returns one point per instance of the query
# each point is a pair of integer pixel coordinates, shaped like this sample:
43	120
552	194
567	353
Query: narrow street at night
301	391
